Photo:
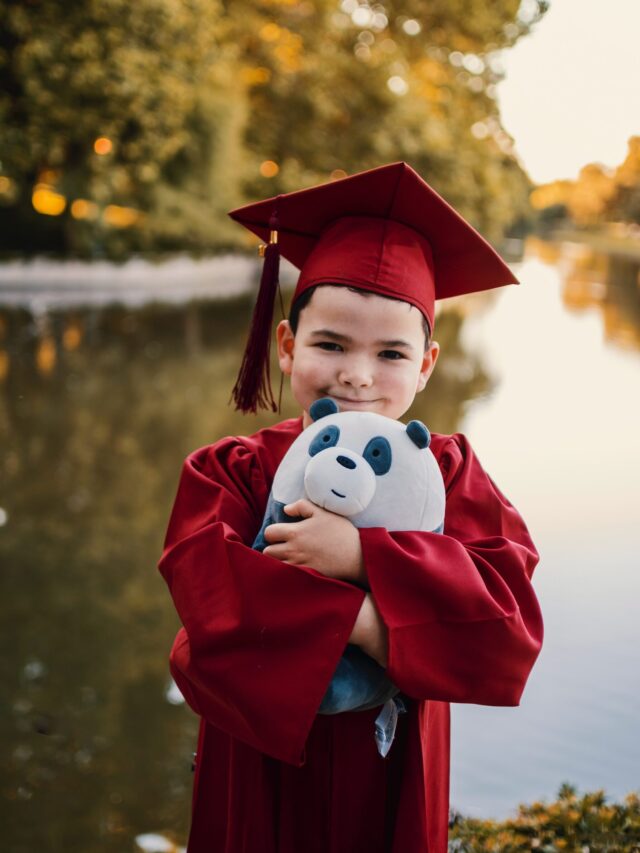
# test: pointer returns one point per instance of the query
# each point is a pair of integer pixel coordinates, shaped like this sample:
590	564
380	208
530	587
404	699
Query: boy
452	616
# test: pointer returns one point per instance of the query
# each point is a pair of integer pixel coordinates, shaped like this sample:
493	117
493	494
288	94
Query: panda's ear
419	434
322	407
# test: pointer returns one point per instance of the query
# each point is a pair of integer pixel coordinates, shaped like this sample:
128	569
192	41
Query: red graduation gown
261	640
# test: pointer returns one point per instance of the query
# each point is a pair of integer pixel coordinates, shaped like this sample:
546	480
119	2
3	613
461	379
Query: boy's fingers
278	552
303	508
272	551
280	532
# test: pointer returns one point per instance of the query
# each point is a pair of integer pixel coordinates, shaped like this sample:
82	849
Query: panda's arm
273	514
261	638
463	620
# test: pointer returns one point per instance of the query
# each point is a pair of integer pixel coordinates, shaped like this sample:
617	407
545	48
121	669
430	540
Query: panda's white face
339	480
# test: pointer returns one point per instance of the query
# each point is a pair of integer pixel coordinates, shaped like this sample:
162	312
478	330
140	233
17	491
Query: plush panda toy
379	473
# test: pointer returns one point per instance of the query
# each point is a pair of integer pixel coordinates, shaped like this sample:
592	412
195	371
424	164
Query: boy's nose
357	375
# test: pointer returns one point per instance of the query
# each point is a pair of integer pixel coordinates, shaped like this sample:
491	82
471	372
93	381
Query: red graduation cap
384	230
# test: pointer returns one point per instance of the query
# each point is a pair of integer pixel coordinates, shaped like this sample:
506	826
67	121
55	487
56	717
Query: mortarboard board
384	230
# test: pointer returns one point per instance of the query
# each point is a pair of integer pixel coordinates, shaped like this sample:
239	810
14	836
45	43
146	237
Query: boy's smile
364	350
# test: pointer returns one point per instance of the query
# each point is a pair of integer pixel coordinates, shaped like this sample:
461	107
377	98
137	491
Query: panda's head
344	464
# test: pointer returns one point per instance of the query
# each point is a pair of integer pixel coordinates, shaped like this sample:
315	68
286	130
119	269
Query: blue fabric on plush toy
379	473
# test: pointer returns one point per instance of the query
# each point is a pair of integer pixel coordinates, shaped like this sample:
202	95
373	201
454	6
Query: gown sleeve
260	638
463	620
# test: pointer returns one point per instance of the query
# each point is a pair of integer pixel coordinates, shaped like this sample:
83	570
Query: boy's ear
428	363
286	345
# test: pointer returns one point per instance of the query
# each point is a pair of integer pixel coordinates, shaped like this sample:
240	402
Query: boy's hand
324	541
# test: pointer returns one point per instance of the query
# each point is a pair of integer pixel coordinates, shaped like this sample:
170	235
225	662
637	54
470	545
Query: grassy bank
572	823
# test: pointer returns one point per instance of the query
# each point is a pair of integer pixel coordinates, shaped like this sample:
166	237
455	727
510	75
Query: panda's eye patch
327	437
378	454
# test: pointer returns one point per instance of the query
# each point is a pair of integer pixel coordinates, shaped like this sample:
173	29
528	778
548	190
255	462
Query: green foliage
149	77
330	106
573	823
195	95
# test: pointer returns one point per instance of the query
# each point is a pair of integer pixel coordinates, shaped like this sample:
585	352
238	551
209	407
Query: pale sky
572	91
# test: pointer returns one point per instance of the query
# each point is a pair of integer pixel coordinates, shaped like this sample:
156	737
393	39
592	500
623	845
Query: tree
158	116
598	196
625	202
351	85
100	97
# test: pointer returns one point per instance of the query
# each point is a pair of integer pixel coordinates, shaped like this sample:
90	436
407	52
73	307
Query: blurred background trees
599	195
135	127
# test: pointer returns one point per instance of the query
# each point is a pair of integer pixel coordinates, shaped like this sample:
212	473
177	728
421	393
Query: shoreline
599	241
41	284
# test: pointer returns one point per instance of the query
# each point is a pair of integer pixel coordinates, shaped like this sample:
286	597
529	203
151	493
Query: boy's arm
261	638
463	620
370	632
452	616
330	544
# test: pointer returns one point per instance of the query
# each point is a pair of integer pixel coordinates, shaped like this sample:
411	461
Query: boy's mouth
352	401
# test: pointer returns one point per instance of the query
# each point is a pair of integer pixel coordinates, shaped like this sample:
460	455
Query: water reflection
610	284
99	407
560	435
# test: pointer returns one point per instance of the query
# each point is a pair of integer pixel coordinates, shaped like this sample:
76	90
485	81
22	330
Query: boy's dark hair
305	298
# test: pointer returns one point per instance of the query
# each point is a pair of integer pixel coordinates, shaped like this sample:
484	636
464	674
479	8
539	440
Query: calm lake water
100	406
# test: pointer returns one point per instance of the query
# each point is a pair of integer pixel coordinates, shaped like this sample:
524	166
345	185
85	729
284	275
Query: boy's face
365	351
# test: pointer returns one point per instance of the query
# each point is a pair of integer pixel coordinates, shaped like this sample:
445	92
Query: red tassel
252	390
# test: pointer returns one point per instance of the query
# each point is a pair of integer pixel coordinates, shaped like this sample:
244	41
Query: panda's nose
345	462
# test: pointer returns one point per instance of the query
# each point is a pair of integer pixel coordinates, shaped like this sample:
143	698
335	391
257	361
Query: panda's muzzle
345	462
340	480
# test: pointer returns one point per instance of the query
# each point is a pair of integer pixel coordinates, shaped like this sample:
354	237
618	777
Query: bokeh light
72	336
83	209
120	217
269	169
412	27
46	355
47	201
398	85
103	145
480	130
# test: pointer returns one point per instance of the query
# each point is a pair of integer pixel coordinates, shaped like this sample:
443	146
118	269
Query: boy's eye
392	354
330	346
